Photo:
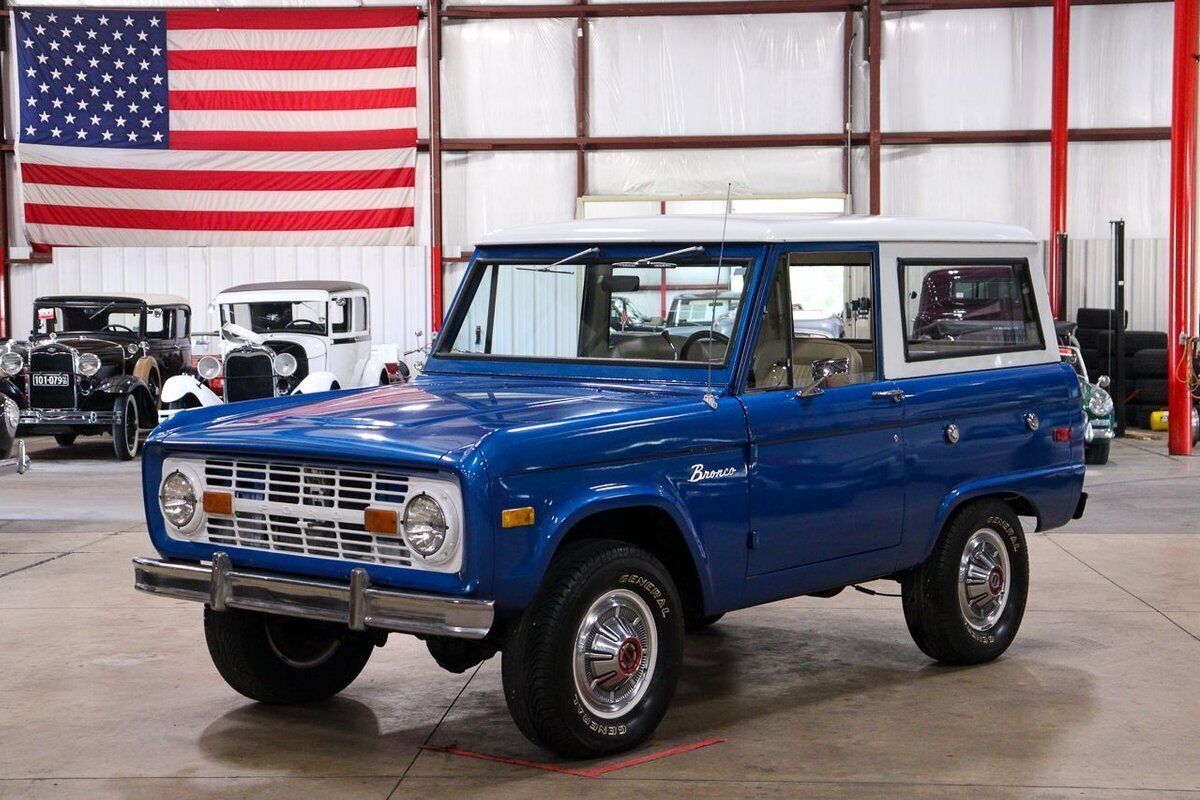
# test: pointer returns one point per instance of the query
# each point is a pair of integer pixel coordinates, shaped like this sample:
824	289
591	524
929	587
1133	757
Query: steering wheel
116	327
707	337
303	323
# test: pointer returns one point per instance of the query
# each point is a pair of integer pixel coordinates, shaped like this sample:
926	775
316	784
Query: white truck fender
179	387
318	382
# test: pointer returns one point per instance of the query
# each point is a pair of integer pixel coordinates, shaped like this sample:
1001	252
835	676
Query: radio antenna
710	399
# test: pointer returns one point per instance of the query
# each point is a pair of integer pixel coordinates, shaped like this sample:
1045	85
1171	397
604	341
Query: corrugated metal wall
398	278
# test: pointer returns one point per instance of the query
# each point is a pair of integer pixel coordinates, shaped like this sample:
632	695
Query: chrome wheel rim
616	649
131	425
984	578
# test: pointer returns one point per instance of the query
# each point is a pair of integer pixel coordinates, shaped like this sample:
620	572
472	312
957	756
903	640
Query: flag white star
78	20
132	136
95	120
158	109
68	61
54	46
120	93
30	130
91	33
106	78
130	50
81	134
157	80
117	36
44	116
69	89
143	36
128	21
52	18
107	106
157	137
154	22
145	93
39	30
120	122
145	123
82	105
119	64
66	32
69	119
30	71
93	62
133	108
42	58
31	101
24	15
105	49
29	43
80	47
132	78
55	132
81	75
145	65
106	136
155	50
103	20
94	90
56	103
55	74
43	87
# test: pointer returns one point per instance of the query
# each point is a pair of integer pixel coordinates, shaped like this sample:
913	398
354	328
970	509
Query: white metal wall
398	278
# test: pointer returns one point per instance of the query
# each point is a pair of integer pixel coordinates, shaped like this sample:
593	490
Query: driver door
826	468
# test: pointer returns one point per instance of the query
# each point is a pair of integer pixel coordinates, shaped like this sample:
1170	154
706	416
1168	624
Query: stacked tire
1145	365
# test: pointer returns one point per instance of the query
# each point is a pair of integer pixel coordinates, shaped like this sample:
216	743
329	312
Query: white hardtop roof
760	228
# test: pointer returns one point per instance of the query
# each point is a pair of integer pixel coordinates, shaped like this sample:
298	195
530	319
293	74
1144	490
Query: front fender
316	382
121	384
179	387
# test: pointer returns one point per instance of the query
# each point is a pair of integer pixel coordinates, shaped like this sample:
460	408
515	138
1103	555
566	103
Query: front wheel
1097	452
283	660
965	604
591	667
125	429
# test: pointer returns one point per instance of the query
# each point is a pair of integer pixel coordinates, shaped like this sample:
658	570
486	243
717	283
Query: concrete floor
107	693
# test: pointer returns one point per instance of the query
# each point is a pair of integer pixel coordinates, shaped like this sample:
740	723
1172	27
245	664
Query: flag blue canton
93	78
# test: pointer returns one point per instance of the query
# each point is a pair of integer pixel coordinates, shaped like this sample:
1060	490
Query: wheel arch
1020	503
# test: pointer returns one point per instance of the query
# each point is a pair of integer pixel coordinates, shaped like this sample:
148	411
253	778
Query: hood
517	423
110	352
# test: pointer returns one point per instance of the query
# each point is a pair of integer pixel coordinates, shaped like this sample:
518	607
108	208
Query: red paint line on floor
594	772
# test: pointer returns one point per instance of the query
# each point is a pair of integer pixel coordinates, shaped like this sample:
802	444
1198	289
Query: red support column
435	163
874	136
1058	148
1182	310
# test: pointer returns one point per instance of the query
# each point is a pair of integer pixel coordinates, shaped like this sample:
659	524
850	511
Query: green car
1097	404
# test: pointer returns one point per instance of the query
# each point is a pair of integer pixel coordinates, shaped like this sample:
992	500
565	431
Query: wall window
969	307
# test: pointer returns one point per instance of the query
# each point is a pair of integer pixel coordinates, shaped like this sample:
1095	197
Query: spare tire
1150	363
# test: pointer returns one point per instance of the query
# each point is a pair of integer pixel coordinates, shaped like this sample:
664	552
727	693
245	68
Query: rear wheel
591	667
65	439
283	660
965	604
125	429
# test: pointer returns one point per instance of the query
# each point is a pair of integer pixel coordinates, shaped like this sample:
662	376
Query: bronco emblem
699	473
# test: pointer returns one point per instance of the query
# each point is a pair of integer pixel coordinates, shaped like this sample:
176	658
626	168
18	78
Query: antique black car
96	364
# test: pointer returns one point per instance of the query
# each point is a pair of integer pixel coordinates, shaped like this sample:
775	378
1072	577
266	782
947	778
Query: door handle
895	395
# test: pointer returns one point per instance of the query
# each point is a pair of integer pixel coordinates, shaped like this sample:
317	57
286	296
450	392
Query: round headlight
285	365
12	416
11	364
89	364
1101	403
209	367
424	526
177	497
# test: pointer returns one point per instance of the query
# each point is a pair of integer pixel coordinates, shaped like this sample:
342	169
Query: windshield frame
229	303
99	304
441	360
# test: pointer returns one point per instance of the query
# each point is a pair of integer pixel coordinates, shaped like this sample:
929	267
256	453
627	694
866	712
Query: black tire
125	432
539	662
700	623
283	660
1098	318
1151	391
65	439
930	592
1097	452
1150	363
384	378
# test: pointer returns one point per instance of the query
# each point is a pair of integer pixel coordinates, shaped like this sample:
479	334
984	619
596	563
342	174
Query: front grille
52	363
305	510
248	376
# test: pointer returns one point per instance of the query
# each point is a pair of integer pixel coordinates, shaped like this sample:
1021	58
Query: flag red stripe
218	180
374	58
290	18
92	217
231	100
292	141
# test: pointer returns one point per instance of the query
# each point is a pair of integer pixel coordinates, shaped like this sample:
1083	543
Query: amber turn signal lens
516	517
382	520
218	503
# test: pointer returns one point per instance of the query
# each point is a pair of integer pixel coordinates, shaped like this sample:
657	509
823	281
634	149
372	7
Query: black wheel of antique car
592	665
699	623
65	439
125	431
1097	452
284	660
965	603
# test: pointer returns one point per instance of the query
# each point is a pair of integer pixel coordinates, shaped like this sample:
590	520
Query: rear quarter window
966	307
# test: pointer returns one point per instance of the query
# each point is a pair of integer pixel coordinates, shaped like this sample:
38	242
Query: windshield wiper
100	311
654	262
591	251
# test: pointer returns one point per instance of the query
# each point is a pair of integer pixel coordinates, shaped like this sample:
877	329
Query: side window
183	323
770	366
339	316
832	316
156	323
955	308
360	315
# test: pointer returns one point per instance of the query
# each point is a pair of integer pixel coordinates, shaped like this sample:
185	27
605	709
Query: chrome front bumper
18	463
1092	433
43	416
357	604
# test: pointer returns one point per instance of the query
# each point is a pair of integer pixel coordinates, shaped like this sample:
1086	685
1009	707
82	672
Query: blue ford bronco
575	491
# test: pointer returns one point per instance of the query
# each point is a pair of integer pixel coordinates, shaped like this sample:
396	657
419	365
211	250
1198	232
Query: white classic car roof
761	228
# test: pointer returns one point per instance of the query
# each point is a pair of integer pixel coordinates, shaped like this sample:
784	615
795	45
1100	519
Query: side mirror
620	284
1103	381
656	322
823	371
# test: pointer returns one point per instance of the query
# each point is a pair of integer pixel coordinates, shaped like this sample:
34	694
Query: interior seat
806	350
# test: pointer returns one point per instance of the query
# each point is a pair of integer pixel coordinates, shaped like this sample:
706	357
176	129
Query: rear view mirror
620	283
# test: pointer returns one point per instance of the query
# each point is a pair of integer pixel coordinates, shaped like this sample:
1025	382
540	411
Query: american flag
217	126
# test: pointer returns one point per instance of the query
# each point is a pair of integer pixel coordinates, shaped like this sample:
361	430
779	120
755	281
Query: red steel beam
435	165
1182	310
875	135
1059	84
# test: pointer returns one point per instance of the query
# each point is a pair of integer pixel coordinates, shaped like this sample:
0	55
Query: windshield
270	317
596	311
98	317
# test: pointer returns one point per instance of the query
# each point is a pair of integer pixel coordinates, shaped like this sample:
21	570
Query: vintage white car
289	337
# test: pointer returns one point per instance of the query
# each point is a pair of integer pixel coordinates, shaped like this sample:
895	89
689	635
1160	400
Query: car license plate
51	379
